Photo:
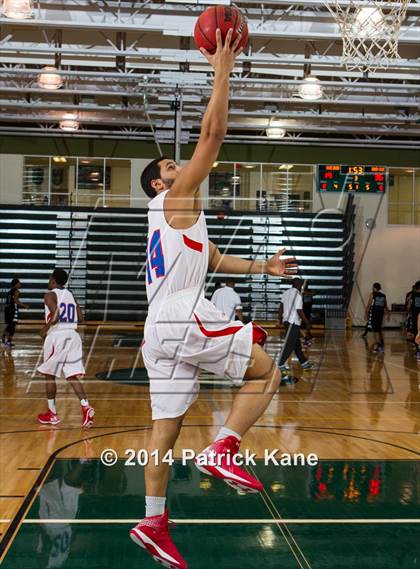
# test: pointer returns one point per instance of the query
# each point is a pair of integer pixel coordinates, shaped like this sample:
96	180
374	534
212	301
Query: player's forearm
214	122
238	266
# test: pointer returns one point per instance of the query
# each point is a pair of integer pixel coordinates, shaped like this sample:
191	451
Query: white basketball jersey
176	259
67	311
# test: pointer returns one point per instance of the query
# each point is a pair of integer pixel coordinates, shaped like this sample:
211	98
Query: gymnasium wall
389	254
11	178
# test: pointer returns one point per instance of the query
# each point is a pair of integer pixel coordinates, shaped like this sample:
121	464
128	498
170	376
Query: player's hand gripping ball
224	18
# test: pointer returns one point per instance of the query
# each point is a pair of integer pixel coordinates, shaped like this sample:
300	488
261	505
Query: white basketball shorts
63	354
188	333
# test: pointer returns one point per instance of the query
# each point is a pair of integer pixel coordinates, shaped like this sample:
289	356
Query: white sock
224	432
51	406
155	506
84	402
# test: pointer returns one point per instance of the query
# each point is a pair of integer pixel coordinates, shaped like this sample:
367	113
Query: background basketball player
375	309
62	347
11	312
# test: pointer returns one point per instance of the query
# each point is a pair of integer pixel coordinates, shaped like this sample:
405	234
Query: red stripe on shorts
195	245
52	353
217	333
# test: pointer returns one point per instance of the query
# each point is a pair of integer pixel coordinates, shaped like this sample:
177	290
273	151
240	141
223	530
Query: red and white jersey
67	308
176	259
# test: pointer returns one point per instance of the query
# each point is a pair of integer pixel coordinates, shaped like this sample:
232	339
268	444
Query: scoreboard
353	179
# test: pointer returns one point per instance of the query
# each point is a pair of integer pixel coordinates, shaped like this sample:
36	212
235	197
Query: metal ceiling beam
86	54
306	141
174	25
162	110
50	123
139	78
128	5
379	101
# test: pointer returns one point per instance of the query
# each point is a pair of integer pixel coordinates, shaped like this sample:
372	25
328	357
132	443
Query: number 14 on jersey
155	260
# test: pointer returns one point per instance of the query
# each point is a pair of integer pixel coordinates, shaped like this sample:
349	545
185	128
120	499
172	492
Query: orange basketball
223	17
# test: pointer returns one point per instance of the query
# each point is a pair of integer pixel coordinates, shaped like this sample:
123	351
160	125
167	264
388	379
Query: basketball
223	17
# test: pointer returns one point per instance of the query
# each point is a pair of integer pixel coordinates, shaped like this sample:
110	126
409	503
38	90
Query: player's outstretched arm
231	265
214	123
16	298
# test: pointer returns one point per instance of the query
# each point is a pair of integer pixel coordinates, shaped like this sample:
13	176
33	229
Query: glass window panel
286	187
35	180
119	177
63	171
91	199
400	214
417	213
417	186
401	195
92	176
222	186
401	185
247	184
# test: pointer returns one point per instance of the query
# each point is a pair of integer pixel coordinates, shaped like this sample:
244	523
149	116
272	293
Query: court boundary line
285	427
221	521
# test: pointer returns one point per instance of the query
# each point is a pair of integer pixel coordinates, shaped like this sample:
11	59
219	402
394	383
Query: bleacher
105	251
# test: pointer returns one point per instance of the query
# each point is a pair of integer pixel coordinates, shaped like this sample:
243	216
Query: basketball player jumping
184	332
62	347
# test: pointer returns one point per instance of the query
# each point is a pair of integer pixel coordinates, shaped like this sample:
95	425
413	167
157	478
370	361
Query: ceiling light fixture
49	79
310	89
275	132
285	166
69	123
18	9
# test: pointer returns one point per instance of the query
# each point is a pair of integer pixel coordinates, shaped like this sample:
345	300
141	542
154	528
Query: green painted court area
338	515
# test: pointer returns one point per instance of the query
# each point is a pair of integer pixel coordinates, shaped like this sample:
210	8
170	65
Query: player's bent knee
167	428
261	366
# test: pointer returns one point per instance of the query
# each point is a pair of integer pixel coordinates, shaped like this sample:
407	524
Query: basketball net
370	30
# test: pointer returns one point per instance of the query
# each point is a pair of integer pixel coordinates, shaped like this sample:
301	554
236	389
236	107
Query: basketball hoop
370	30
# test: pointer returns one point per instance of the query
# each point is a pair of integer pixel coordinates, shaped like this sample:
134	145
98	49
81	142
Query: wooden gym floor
359	412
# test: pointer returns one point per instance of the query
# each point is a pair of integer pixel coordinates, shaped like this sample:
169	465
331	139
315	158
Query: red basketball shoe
219	463
87	415
48	418
152	534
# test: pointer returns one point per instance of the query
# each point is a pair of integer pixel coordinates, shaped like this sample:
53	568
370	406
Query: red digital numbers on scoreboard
352	178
